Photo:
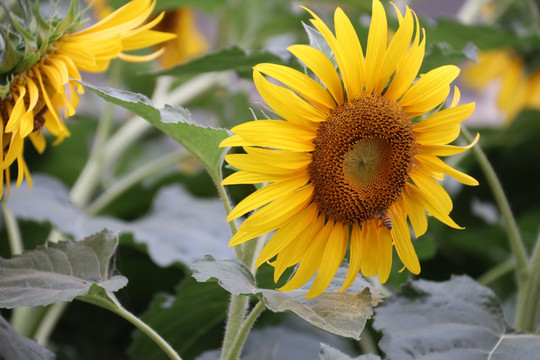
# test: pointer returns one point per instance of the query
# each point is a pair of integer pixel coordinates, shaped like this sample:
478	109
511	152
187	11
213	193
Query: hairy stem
49	321
527	310
240	339
512	231
112	304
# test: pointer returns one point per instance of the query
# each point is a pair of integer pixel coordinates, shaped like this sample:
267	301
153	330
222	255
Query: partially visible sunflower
189	41
40	60
519	87
356	154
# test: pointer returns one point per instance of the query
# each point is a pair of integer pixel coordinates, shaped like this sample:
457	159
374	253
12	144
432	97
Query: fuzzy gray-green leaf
59	272
455	319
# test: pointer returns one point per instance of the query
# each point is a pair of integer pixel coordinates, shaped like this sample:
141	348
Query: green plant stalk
512	231
49	321
136	127
84	186
123	184
238	305
112	304
527	310
241	337
497	271
13	231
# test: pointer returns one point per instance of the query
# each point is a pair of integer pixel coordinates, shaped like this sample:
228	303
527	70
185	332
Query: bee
385	218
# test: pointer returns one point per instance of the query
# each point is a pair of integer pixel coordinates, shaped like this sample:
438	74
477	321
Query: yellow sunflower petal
429	91
397	51
384	245
408	69
311	260
272	216
265	195
442	127
402	241
300	83
339	53
336	247
254	164
347	38
285	235
416	213
432	206
322	67
437	164
286	103
274	134
294	252
247	177
370	259
355	256
280	158
446	150
376	45
427	184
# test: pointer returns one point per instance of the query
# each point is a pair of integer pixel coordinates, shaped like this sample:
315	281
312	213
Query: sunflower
347	165
519	86
189	41
42	60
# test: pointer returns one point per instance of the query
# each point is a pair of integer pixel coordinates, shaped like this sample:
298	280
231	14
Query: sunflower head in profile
347	167
41	59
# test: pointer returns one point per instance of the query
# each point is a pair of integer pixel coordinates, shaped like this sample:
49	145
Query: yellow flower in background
189	41
347	166
519	88
38	85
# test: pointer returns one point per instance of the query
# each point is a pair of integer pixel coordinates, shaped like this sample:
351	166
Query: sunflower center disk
363	154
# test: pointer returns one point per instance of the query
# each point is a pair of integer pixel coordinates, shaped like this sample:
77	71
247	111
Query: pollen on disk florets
363	154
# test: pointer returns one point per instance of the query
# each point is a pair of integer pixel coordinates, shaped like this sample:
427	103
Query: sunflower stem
497	271
514	237
48	322
123	184
13	231
112	304
240	339
86	183
529	298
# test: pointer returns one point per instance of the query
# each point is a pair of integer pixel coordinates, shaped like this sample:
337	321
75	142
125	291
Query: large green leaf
171	233
201	141
190	321
342	313
13	346
455	319
59	272
231	58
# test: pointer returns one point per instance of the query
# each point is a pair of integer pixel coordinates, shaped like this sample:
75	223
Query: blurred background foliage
241	33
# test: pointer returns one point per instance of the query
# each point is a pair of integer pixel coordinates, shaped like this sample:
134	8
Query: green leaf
455	319
329	353
442	53
59	272
342	313
201	141
190	321
160	229
484	37
231	58
13	346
